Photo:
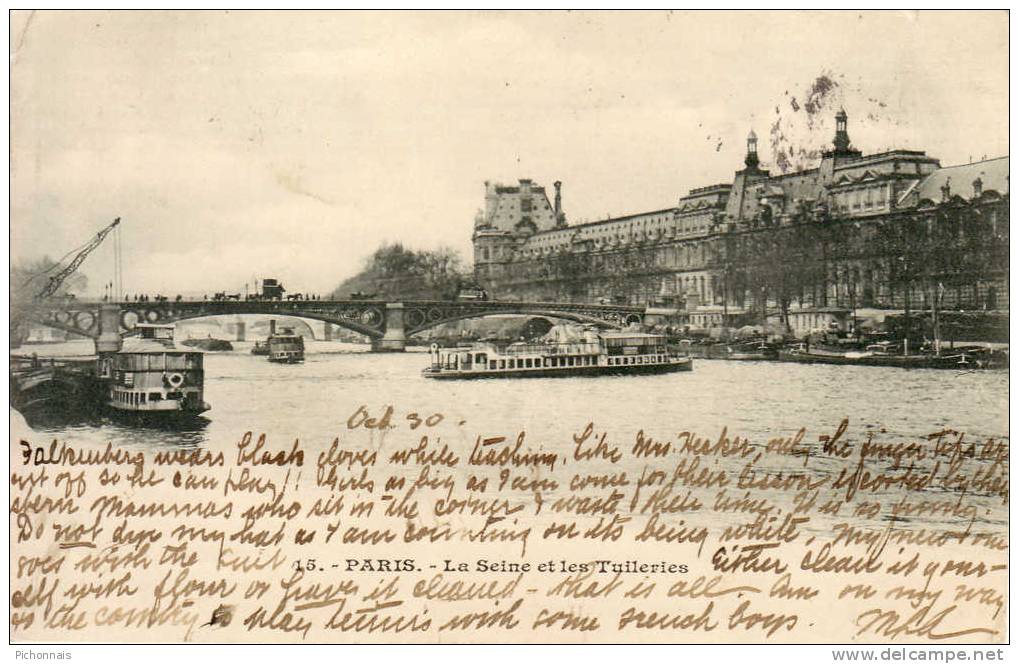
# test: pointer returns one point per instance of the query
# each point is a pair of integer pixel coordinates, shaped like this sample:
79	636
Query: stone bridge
387	324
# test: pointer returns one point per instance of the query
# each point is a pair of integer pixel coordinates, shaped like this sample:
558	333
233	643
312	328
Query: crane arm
57	279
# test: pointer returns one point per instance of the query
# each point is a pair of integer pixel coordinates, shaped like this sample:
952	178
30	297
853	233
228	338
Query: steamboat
150	376
284	346
562	352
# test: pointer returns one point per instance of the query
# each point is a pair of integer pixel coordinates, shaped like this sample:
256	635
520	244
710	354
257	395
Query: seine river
760	400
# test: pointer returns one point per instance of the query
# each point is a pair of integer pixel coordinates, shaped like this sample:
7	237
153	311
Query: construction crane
56	280
20	304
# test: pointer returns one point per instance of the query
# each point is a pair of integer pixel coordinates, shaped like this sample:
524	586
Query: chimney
558	203
841	132
491	201
751	158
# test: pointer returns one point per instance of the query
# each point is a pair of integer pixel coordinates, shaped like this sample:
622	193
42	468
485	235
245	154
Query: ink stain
221	616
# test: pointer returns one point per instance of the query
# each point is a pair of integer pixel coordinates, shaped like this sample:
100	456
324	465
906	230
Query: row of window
571	361
158	361
545	247
865	199
640	359
690	255
619	231
538	363
136	398
633	226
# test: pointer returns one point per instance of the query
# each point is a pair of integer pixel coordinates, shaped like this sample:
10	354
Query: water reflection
312	402
184	433
759	400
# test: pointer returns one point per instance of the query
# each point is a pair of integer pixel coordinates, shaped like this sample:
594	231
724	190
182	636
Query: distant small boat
735	350
749	350
260	348
208	344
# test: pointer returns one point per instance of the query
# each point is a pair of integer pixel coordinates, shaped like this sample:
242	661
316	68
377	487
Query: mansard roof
627	217
993	174
516	189
846	179
710	190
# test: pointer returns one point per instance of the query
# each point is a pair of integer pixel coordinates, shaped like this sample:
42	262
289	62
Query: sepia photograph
510	327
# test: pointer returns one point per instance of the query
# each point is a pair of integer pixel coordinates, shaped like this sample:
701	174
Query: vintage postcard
549	327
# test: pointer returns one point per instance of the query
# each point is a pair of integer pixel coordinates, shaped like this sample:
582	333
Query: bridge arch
411	328
422	315
128	322
363	317
386	324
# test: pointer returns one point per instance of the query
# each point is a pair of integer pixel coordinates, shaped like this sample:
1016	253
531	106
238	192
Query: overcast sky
239	145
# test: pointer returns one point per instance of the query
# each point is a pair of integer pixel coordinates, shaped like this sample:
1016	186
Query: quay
56	386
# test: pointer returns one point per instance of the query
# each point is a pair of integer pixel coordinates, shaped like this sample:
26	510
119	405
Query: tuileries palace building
882	231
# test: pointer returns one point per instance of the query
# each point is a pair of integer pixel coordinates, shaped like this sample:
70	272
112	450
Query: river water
760	400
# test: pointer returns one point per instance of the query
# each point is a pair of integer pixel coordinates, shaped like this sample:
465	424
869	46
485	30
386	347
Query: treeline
28	279
395	271
832	262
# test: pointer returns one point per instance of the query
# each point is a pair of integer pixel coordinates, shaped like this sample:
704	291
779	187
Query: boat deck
675	364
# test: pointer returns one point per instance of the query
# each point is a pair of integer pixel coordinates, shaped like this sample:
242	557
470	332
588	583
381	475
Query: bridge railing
227	303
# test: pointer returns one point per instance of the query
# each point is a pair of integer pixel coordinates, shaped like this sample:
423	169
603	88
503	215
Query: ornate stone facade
883	231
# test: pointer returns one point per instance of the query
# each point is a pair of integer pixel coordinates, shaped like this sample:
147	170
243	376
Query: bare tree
393	271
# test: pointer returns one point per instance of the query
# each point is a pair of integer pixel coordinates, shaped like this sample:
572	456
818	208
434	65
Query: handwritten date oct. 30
363	419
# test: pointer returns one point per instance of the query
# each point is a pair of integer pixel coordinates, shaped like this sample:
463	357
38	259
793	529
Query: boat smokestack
272	327
109	340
